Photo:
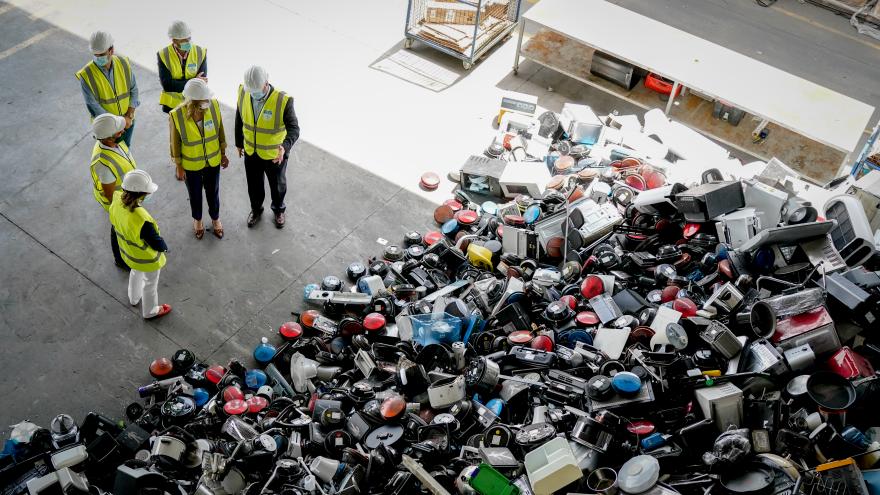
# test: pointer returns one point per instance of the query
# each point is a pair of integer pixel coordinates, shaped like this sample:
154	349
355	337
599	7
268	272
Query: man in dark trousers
265	131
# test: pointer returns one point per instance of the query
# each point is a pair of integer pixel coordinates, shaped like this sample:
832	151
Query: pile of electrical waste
614	332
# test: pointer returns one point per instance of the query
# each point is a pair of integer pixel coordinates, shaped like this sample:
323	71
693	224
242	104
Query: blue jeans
126	136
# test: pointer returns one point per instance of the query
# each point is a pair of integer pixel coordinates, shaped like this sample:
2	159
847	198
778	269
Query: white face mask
204	105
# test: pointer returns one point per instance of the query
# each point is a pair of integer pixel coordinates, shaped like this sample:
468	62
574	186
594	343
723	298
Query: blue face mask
186	46
147	199
258	95
102	60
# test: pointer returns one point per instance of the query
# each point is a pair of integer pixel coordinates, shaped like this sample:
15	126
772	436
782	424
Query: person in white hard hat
198	148
265	130
111	160
178	63
140	242
108	83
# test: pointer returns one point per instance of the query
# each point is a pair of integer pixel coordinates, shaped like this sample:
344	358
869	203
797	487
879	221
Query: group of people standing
266	129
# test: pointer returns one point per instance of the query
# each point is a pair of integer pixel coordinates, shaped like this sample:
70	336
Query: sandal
199	232
164	310
217	228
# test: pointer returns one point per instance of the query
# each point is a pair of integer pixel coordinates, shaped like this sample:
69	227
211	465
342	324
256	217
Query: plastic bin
552	466
435	328
487	481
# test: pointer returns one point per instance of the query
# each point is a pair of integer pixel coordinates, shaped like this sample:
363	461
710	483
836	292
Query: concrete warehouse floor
70	341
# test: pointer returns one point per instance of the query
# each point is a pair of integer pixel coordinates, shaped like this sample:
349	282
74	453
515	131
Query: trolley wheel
407	43
467	65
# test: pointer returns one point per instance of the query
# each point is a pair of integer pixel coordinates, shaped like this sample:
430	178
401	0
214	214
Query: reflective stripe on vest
118	163
171	61
138	255
198	148
113	99
266	133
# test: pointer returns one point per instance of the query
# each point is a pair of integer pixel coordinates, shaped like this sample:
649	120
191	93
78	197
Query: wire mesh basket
817	484
834	478
465	29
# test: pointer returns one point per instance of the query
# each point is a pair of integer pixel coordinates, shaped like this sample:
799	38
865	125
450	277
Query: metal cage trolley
465	29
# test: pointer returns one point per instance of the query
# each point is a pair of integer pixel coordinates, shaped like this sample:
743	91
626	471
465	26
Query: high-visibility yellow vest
169	58
266	132
114	99
198	149
119	161
138	255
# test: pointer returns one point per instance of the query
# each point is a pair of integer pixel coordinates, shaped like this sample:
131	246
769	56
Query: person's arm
165	76
133	101
203	69
169	84
176	84
175	149
92	104
292	126
221	133
107	179
133	91
150	236
239	133
108	190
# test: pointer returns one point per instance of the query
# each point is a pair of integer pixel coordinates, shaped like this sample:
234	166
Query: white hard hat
197	89
139	181
100	41
255	78
179	30
106	125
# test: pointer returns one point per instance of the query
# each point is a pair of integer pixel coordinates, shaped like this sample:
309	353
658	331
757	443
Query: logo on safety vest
267	114
191	67
209	124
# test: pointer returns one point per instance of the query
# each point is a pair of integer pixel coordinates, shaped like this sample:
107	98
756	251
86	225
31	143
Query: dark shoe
279	219
253	218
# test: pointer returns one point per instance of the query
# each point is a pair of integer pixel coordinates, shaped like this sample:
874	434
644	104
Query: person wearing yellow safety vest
111	160
108	83
265	131
198	148
178	63
140	242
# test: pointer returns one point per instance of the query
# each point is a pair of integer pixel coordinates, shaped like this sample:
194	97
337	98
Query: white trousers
143	287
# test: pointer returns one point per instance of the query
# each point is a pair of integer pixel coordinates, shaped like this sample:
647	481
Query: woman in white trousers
140	243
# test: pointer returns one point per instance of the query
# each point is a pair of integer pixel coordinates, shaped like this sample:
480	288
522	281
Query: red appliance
660	84
849	364
815	327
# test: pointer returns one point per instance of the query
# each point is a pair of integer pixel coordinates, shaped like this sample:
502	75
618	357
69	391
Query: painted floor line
26	43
